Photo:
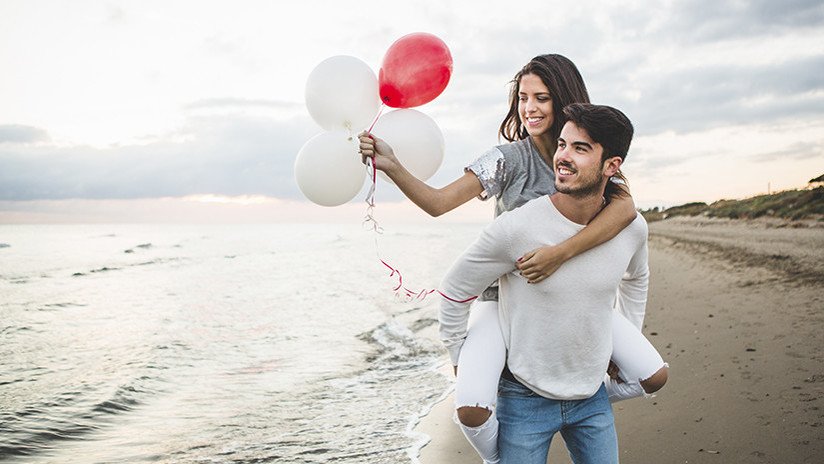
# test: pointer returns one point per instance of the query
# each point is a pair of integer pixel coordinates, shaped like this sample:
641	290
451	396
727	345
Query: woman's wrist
565	250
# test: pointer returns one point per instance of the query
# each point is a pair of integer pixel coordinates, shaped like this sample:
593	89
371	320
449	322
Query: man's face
578	166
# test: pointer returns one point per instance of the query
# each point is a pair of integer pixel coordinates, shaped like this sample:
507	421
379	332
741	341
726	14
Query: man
558	332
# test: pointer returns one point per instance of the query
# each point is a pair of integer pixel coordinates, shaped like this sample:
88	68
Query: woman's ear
612	165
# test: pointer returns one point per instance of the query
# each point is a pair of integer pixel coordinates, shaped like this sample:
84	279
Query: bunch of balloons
343	96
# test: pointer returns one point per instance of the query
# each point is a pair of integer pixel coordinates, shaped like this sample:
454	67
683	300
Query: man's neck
579	210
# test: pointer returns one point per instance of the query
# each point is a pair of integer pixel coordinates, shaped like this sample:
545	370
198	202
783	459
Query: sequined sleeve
490	169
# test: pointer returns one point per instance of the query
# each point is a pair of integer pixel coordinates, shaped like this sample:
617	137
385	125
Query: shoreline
413	428
737	309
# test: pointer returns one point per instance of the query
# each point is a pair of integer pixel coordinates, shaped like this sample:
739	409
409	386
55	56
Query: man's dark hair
605	125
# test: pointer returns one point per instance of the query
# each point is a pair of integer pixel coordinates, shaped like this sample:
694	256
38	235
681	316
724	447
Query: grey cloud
230	156
680	100
702	98
654	160
797	151
15	133
708	20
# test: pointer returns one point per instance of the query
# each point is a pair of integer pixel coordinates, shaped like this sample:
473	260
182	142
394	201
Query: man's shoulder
639	222
526	210
637	230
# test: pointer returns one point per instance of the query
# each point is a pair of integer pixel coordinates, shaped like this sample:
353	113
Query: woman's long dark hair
565	85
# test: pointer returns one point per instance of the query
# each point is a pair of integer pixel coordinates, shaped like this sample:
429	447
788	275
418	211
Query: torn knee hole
473	416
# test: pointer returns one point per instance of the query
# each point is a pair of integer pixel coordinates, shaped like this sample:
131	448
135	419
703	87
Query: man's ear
612	165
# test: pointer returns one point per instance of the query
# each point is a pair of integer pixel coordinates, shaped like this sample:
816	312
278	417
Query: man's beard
588	185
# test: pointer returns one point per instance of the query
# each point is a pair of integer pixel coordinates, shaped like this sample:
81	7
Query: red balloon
415	70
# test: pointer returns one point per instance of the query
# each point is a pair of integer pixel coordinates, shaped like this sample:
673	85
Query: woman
515	173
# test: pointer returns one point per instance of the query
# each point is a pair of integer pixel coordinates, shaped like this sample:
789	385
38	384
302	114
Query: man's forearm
632	291
484	261
632	298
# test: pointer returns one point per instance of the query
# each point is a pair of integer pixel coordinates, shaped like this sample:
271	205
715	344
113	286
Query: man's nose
561	154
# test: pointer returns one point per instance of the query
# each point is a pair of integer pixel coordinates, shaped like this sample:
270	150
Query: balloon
342	93
328	168
415	70
416	140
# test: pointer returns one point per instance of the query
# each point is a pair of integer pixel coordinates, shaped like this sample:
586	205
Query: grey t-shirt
514	173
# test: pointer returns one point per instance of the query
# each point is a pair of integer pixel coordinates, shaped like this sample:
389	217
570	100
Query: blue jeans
528	421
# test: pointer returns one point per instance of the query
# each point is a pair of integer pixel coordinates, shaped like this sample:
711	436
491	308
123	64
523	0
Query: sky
194	110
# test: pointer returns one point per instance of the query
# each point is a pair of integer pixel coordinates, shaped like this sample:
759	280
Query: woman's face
534	105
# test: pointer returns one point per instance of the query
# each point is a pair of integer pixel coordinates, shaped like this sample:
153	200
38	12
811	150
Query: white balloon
342	93
328	168
416	140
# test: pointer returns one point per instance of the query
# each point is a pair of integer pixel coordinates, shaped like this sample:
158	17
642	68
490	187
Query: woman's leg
641	366
479	368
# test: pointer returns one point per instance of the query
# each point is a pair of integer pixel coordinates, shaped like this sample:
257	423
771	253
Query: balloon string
370	222
421	294
369	131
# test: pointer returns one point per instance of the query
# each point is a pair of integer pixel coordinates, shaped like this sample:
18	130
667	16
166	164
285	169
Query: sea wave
68	415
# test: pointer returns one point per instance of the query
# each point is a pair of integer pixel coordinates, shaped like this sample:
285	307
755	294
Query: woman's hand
380	152
612	372
540	263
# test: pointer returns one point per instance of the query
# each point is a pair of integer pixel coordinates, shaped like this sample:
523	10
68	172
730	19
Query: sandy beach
737	309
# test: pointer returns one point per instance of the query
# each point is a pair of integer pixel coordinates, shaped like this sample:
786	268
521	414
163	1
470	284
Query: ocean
219	343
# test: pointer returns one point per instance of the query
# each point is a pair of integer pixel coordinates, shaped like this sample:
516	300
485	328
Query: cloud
710	21
797	151
218	155
16	133
699	98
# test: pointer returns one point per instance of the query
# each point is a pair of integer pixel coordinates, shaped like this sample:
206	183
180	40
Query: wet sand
737	309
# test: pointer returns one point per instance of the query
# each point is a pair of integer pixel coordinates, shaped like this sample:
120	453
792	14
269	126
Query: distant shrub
789	204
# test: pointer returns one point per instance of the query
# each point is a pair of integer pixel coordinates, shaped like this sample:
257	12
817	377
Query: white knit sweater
557	332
